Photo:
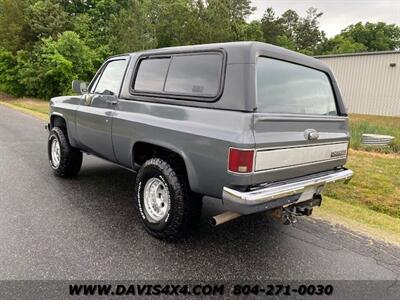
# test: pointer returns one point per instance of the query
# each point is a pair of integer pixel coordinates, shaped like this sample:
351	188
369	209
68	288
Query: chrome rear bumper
281	193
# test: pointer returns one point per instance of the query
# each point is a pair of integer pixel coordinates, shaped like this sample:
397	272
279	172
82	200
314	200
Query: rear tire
65	160
164	202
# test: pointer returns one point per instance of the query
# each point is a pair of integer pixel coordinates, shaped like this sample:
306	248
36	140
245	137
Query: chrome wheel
156	199
55	153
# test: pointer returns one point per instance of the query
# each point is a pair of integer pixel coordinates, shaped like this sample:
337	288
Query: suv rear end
259	126
300	132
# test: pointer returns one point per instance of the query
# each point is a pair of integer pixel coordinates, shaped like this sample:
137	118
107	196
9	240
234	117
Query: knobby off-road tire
176	209
65	160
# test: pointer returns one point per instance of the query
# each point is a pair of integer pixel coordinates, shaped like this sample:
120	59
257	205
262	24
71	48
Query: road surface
86	228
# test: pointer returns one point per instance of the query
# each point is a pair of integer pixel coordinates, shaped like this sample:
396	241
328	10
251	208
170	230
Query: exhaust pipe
224	217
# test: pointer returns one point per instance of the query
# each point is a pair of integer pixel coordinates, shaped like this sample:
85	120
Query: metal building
369	82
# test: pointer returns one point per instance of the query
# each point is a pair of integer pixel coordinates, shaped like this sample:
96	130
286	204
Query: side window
111	78
197	75
151	74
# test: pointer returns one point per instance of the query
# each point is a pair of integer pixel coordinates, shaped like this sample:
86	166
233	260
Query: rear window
193	75
284	87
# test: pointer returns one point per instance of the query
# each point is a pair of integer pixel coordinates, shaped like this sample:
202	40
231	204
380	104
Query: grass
376	183
370	202
360	218
360	124
36	107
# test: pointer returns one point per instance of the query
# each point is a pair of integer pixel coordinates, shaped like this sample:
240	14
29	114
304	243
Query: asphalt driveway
86	228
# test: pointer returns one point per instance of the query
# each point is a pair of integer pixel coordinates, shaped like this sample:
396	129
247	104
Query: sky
338	14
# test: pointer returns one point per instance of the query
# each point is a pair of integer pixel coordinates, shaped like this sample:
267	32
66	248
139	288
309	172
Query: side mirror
79	87
107	93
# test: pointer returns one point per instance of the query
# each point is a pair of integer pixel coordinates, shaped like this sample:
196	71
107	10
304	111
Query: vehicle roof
243	52
239	79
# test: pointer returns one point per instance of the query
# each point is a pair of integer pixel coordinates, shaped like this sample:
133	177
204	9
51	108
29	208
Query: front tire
164	202
65	160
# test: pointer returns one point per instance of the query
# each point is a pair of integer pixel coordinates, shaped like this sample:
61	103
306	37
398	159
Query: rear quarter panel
201	136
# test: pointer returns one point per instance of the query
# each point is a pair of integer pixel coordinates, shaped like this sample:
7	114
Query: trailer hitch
288	215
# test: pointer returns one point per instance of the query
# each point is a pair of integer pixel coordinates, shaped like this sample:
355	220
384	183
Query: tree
47	18
290	21
339	44
171	21
271	27
375	36
286	42
225	20
308	36
301	34
363	38
55	63
253	31
13	24
291	31
131	29
239	10
44	44
76	7
92	19
9	80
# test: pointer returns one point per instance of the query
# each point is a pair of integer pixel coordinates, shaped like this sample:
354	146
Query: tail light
240	161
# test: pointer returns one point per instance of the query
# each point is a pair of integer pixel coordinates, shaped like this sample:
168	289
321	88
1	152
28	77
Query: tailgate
293	146
298	127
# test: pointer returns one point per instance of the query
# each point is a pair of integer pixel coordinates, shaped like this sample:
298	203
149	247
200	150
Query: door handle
111	101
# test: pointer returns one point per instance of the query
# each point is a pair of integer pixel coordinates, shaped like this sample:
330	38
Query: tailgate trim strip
297	156
340	159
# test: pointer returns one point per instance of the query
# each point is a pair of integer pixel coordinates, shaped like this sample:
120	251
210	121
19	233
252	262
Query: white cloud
337	14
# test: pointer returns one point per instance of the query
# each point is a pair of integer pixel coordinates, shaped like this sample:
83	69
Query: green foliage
13	24
130	29
221	20
9	82
271	27
73	7
364	37
172	22
293	32
339	44
47	43
253	31
308	36
360	124
60	62
375	184
47	18
54	64
286	42
375	36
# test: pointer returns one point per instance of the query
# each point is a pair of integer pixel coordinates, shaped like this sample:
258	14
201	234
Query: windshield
284	87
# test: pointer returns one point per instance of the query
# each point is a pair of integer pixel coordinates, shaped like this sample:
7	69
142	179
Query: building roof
359	54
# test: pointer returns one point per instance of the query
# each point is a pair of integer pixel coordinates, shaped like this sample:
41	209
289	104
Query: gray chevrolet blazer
250	125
